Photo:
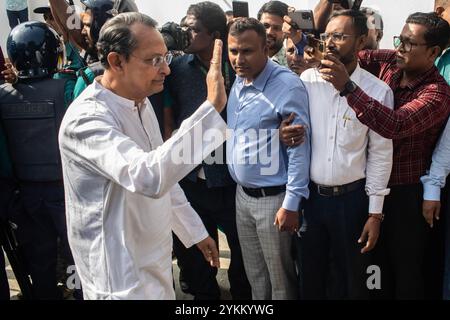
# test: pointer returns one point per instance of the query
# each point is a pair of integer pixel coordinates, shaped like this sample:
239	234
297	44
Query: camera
175	37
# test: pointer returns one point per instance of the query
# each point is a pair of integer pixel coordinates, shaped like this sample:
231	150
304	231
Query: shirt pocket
351	133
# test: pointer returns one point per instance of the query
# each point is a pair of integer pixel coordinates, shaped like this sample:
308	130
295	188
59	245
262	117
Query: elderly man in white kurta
122	196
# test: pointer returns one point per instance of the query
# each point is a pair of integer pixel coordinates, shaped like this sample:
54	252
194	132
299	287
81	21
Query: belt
335	191
264	192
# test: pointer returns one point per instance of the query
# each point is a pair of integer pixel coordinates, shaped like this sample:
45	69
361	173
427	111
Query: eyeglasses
157	61
406	44
335	36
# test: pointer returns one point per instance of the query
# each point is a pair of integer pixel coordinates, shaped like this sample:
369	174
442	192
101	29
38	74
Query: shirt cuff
376	204
431	192
291	202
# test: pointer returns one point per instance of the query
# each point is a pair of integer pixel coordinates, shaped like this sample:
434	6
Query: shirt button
329	159
334	117
331	138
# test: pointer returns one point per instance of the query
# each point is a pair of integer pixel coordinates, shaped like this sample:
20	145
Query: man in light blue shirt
432	184
272	178
17	11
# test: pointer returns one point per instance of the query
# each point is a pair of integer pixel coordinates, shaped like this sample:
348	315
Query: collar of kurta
121	101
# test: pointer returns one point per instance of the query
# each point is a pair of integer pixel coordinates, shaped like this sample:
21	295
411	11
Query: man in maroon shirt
421	109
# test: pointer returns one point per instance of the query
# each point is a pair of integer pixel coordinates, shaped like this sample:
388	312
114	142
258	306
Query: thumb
290	118
363	236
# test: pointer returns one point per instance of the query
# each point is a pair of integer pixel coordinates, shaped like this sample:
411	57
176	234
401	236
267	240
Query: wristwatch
350	86
379	216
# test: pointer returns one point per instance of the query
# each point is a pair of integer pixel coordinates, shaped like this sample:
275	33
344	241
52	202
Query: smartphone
240	9
302	19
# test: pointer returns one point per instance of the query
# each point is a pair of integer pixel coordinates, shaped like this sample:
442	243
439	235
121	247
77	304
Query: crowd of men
328	158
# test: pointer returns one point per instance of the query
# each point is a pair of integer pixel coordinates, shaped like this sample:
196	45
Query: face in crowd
374	35
248	54
86	19
413	52
295	60
200	38
342	40
274	31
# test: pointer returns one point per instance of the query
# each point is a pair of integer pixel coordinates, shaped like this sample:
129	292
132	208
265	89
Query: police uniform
31	112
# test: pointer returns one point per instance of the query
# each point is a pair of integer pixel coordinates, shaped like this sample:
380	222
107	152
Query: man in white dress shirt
122	196
350	169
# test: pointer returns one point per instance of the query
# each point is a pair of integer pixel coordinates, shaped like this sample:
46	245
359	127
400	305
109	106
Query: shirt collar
356	75
421	79
261	80
121	101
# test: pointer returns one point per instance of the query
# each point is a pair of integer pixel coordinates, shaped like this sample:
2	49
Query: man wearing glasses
120	179
421	109
350	169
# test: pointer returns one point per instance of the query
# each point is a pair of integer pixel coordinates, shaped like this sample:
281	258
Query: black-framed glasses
406	44
157	61
336	37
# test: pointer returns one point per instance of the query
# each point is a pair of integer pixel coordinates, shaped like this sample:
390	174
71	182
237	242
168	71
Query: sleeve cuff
431	192
291	202
376	204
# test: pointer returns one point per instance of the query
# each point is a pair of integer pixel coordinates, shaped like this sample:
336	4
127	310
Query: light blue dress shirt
255	155
440	168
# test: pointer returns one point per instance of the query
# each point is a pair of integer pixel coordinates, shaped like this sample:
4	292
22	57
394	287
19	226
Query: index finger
217	54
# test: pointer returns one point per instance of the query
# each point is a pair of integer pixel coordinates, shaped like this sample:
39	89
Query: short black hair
240	25
277	8
359	20
438	30
211	16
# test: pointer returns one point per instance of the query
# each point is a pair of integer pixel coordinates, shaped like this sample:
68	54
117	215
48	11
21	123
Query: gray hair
116	35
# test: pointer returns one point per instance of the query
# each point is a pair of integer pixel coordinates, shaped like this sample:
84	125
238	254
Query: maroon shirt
420	112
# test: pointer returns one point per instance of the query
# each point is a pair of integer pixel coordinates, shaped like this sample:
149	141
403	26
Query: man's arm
435	179
440	168
322	12
298	161
379	163
69	21
189	228
414	117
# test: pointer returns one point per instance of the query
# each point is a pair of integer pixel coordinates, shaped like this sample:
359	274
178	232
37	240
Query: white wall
394	12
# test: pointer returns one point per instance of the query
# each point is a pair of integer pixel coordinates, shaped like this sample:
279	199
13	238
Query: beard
274	44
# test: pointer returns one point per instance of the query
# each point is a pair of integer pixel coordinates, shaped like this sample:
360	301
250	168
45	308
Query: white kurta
122	196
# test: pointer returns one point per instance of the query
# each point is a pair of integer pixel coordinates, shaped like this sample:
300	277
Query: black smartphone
240	9
302	19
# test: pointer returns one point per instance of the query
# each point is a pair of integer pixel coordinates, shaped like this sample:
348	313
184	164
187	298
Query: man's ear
115	61
379	35
435	52
361	41
439	10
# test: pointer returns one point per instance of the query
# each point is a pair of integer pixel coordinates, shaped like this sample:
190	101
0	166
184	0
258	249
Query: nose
239	58
165	69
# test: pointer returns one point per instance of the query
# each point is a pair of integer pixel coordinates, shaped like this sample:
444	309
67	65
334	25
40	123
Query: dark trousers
330	263
216	208
17	17
401	247
435	251
42	223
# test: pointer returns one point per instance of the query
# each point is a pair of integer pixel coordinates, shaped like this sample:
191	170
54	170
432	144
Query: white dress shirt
122	196
343	150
